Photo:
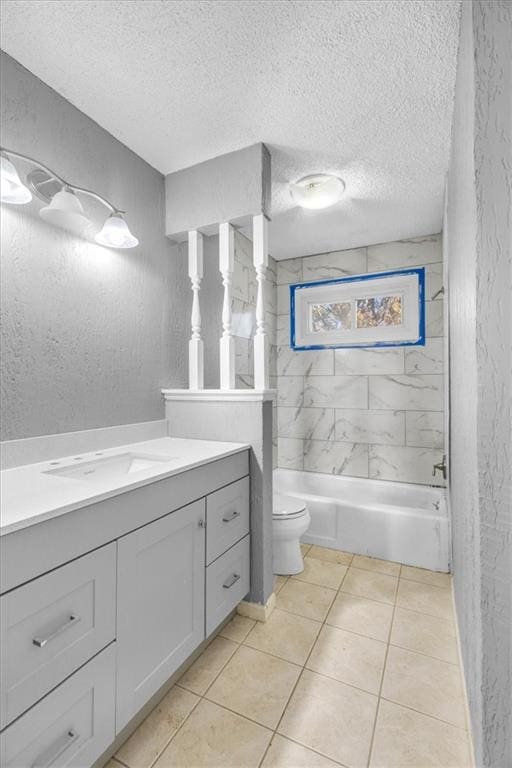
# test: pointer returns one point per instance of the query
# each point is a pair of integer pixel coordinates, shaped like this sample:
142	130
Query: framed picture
381	309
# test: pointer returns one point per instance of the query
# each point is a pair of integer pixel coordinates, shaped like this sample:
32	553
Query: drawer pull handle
52	754
231	516
232	580
42	641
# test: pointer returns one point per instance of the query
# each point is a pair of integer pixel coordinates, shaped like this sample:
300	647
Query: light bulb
318	191
115	233
13	191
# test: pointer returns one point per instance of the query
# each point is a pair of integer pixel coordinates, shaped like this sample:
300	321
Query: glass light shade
13	191
65	210
115	233
318	191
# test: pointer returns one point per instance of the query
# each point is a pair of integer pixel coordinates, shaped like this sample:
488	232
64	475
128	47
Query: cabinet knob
202	523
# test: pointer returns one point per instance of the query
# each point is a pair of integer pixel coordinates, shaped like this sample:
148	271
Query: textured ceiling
360	88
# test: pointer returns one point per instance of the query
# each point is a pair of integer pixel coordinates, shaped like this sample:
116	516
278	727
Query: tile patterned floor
356	667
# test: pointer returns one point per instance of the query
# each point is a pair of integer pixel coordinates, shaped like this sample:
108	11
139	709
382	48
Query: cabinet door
160	607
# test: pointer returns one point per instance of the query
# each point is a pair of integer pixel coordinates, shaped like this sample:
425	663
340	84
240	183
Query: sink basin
111	467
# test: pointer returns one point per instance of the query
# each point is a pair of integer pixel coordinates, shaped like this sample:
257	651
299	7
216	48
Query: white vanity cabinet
160	604
101	606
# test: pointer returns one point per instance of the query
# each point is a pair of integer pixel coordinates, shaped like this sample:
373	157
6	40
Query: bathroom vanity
109	584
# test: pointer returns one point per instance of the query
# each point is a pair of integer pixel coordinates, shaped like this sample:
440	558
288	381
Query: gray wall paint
478	236
363	412
89	335
232	187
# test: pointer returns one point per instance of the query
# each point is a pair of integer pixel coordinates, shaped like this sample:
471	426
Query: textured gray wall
478	236
89	335
232	187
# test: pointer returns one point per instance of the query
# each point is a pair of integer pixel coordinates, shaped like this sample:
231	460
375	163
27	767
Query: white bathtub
394	521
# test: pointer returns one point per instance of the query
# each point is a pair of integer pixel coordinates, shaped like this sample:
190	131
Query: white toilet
290	520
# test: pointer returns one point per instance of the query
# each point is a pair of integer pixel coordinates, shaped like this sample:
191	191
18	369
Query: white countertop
30	495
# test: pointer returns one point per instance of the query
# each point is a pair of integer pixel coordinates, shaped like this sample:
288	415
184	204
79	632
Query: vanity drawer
227	583
227	518
72	726
53	625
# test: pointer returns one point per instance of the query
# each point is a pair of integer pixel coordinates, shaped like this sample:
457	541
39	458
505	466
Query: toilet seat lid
287	506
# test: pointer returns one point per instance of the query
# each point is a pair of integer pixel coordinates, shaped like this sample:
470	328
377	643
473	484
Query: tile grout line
398	577
200	697
239	644
322	624
196	704
424	714
370	747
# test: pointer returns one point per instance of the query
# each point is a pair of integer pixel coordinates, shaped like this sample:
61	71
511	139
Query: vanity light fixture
63	205
115	233
65	210
13	191
317	191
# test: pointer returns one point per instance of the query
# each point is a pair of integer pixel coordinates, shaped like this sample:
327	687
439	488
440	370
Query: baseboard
258	611
464	688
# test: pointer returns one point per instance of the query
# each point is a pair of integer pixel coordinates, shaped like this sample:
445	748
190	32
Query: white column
260	260
227	342
195	345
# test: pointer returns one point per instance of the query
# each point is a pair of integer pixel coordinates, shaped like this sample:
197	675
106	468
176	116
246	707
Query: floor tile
332	718
426	577
375	586
305	599
358	614
205	669
213	737
238	628
256	685
331	555
350	658
374	564
424	598
279	582
323	573
155	732
407	739
285	635
284	753
304	548
425	634
427	685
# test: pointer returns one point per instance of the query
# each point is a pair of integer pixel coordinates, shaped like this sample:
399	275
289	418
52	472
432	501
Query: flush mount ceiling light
64	209
320	190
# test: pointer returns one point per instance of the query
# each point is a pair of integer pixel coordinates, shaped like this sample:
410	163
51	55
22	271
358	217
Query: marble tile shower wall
374	413
243	305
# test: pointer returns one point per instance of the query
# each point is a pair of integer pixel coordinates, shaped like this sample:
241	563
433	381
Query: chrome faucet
441	466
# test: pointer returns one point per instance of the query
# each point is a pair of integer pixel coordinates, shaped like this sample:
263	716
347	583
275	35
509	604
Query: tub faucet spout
441	466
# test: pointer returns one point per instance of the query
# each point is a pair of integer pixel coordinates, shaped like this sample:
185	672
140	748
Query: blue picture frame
419	271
